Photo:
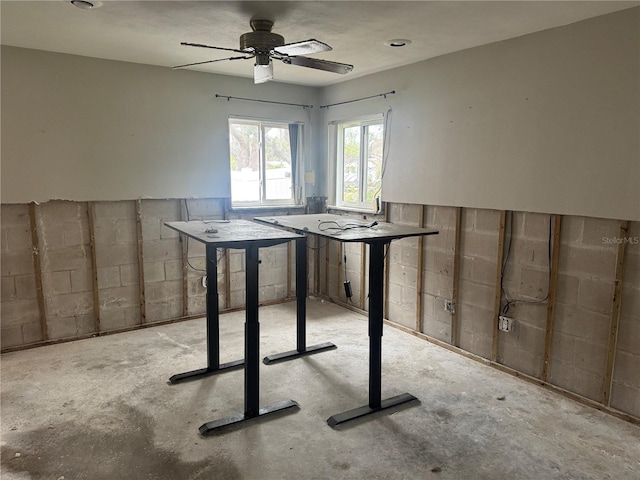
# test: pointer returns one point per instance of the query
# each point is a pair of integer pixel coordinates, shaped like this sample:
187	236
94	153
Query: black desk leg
376	316
213	327
301	313
251	354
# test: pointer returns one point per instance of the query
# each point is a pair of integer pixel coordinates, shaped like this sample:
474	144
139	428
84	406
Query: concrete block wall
277	269
332	260
584	296
206	209
76	301
583	308
527	264
625	395
402	264
274	281
354	254
116	242
333	265
477	284
438	261
65	256
162	252
19	308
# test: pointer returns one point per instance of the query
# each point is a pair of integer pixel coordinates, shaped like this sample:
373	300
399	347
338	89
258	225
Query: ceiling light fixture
84	5
397	42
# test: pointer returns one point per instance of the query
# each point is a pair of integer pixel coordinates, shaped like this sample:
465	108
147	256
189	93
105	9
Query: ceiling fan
264	45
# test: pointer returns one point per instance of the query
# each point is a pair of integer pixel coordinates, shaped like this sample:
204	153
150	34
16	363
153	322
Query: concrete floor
102	409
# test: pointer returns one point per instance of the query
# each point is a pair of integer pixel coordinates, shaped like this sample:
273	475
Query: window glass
375	139
277	149
359	161
262	162
351	164
245	162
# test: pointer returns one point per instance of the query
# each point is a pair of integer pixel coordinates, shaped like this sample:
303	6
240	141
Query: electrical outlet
449	306
505	324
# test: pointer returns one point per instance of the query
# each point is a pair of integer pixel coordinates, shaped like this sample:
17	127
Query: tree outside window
262	162
359	176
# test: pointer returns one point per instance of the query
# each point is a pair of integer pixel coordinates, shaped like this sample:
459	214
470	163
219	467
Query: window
359	162
263	162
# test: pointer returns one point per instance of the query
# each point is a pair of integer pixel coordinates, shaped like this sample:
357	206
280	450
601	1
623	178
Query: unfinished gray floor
102	409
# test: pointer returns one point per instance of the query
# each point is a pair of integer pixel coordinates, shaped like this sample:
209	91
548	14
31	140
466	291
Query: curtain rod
392	92
263	101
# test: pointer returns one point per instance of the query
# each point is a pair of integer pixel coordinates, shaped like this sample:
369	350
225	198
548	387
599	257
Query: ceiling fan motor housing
262	40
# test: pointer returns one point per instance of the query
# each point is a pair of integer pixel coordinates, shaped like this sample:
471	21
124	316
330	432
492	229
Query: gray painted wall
547	122
80	128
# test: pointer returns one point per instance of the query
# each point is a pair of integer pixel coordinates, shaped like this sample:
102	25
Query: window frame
337	139
263	201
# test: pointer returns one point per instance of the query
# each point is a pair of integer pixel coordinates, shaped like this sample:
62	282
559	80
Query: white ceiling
150	32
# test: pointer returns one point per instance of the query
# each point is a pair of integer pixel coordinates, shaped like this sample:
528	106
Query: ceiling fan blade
263	73
304	47
318	64
211	61
200	45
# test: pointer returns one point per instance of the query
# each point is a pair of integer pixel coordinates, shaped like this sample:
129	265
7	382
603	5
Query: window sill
267	208
360	211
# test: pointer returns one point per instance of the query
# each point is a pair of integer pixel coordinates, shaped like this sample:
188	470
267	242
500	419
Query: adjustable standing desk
376	235
250	236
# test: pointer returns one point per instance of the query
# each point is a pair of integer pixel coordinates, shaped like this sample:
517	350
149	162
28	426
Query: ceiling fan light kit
397	42
265	46
84	5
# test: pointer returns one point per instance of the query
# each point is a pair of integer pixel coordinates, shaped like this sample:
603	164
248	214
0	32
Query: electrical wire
349	300
346	226
509	303
319	247
218	257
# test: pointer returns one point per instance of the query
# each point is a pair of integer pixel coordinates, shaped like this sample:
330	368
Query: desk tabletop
344	229
227	233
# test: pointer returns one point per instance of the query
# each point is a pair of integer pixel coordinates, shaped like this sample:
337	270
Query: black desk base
205	372
241	417
367	410
376	295
293	354
301	313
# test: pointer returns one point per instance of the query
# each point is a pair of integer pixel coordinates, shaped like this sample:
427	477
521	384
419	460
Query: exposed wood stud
385	299
327	258
498	296
420	274
341	267
37	270
227	260
91	216
143	305
289	265
455	322
308	270
184	240
615	315
316	265
363	270
551	303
